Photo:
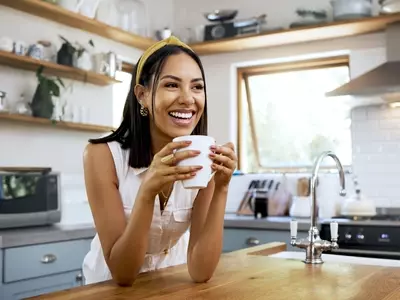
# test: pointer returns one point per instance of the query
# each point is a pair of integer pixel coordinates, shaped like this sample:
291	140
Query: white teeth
181	115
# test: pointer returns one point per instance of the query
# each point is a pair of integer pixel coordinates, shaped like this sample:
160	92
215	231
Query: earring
144	111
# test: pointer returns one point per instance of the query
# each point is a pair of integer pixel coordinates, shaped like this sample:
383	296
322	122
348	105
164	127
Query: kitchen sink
327	258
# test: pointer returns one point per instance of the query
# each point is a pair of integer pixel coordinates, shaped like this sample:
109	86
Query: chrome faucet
313	245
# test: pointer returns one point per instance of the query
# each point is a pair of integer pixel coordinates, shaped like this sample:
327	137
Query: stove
375	237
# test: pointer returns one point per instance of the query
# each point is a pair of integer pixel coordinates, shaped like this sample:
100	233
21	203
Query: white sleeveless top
169	234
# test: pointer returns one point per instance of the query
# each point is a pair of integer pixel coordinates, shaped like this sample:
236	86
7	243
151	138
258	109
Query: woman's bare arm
124	243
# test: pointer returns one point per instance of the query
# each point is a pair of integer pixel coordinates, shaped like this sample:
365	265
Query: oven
373	237
29	197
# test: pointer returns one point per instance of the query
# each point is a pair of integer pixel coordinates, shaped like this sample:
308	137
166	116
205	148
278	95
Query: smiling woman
141	210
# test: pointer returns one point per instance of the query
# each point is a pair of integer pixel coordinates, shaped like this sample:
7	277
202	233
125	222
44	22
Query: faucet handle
334	231
293	229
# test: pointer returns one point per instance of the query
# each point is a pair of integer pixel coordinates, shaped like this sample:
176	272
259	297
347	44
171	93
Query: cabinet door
42	285
236	239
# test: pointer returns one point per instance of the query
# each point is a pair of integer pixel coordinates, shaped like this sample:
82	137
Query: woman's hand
224	162
163	169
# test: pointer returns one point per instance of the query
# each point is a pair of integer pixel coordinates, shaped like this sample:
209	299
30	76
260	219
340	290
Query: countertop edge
18	237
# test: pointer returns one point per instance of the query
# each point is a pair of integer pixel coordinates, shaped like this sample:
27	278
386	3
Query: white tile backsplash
376	158
75	207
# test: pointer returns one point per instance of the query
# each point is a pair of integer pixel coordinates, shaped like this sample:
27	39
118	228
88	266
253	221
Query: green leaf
39	71
59	80
54	88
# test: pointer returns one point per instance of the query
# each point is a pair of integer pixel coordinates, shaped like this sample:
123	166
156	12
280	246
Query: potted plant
42	105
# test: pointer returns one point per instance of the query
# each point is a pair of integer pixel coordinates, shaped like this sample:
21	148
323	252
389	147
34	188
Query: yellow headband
172	40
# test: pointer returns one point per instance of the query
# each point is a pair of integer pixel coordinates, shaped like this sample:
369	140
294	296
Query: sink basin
340	259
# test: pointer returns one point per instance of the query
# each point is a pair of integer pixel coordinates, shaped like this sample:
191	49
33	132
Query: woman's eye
199	87
171	85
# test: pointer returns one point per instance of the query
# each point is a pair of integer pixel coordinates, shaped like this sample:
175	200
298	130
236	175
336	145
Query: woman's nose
186	97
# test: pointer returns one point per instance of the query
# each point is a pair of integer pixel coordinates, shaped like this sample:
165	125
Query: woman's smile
183	117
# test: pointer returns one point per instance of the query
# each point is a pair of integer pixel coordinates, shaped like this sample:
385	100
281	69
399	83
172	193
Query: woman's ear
140	93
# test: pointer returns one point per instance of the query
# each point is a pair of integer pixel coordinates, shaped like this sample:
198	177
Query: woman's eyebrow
179	79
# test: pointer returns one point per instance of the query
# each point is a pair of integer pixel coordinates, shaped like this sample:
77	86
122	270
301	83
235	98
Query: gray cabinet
42	285
33	270
238	238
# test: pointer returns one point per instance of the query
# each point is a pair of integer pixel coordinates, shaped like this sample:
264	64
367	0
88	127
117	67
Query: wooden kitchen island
251	274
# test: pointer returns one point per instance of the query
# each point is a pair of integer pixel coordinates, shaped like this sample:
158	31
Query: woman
141	211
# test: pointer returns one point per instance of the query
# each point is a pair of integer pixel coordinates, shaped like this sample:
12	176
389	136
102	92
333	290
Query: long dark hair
134	131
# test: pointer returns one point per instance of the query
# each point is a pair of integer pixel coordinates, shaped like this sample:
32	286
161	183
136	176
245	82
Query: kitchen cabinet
236	239
33	270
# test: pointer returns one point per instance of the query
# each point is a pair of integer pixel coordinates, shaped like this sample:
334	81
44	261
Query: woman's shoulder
108	152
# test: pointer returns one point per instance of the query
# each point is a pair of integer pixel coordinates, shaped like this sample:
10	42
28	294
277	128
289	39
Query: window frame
243	73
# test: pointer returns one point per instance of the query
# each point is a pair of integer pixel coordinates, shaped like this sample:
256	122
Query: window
120	92
285	120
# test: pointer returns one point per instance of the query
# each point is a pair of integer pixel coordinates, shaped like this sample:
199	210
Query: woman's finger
224	150
177	177
180	170
222	169
221	159
173	159
171	147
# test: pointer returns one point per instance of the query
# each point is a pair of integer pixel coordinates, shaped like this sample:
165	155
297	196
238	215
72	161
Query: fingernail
196	152
192	174
199	167
188	142
212	154
213	166
213	147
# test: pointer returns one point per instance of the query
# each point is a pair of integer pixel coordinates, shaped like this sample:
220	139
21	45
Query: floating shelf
53	123
60	15
53	69
304	34
326	31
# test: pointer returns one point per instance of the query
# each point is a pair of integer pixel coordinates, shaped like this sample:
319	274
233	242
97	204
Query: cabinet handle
79	277
48	258
252	241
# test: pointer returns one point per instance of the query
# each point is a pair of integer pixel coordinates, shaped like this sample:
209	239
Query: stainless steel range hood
384	79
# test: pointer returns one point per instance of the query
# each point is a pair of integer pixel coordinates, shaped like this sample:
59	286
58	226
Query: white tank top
169	234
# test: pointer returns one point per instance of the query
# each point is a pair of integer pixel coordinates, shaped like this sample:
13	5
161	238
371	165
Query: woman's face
179	99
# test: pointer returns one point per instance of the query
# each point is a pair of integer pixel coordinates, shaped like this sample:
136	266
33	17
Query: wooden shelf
297	35
53	123
304	34
53	69
60	15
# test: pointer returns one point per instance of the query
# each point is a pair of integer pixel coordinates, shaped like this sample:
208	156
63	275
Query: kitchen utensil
303	187
351	9
260	198
6	44
244	207
389	6
300	207
200	143
106	63
3	105
221	15
358	205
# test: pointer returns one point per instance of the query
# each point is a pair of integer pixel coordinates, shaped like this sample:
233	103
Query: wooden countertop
250	274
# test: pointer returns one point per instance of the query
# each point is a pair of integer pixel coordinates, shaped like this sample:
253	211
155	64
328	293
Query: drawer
235	239
44	259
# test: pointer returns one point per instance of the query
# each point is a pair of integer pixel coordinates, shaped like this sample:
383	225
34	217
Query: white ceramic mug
200	143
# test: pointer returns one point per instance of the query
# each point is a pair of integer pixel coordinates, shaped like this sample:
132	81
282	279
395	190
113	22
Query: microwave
29	197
